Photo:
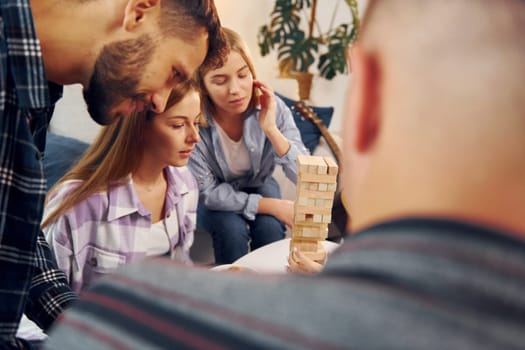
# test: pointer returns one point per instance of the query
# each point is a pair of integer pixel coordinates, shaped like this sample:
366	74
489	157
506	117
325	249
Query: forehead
188	107
232	63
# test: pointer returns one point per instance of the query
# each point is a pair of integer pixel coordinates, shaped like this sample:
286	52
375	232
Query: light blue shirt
219	188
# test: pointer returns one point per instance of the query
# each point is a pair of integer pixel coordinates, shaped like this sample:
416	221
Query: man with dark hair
435	180
128	55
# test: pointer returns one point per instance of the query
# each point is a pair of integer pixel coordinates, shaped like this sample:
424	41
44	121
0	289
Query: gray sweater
407	284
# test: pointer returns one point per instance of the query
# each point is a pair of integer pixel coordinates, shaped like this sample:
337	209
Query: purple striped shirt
107	229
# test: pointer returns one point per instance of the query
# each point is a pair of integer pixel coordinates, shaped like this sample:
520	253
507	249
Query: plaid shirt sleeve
29	279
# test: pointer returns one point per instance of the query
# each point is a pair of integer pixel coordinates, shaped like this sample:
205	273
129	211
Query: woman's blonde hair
115	153
237	44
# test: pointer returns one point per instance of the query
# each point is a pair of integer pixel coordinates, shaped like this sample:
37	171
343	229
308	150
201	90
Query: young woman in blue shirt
249	132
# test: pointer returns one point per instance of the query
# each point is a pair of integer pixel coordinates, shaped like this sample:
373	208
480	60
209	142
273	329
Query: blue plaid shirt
29	279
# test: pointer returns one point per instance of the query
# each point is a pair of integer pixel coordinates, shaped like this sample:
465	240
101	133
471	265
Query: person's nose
193	134
159	99
233	88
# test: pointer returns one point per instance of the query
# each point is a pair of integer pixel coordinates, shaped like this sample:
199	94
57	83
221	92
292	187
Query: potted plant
298	50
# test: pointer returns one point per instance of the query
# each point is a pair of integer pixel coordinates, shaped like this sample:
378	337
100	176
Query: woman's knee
230	240
267	228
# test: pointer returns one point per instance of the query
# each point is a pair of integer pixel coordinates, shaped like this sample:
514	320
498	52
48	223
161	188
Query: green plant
297	50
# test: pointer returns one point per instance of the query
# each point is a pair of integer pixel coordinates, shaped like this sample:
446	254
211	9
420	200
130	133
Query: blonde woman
129	196
250	131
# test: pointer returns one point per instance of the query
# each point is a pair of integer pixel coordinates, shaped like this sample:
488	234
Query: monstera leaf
297	51
333	61
284	21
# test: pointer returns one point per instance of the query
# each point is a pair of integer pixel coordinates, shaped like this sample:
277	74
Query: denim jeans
233	235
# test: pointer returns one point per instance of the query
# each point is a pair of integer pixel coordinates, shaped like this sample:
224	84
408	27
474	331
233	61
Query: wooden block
308	239
311	210
313	186
327	218
323	187
302	200
299	218
316	164
306	232
302	163
313	250
306	219
332	187
307	164
317	178
318	226
303	233
318	256
303	219
318	218
322	167
305	192
303	185
333	169
304	245
329	203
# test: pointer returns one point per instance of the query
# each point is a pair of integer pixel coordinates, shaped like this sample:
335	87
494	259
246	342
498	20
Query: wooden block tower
316	185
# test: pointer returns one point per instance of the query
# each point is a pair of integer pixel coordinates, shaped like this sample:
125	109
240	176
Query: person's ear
137	11
364	99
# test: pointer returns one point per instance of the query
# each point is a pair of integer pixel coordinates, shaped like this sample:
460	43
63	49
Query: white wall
244	17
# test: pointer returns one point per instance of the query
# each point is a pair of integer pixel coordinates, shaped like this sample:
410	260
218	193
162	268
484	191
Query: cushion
60	155
310	133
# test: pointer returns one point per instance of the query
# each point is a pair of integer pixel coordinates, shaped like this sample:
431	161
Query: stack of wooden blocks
316	185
